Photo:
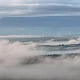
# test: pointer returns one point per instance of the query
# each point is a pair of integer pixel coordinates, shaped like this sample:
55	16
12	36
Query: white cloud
14	57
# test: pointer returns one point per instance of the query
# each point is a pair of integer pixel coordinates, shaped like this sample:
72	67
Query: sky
35	8
39	16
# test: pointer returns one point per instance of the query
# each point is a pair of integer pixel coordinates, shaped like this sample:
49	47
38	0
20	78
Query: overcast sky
34	8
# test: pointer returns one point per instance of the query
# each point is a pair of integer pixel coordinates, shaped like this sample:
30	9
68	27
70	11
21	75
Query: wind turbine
42	34
70	33
58	34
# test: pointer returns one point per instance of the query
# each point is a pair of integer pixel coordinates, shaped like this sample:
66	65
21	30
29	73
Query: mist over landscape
39	40
20	59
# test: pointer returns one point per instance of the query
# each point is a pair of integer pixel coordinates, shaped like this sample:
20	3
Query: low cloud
13	55
10	53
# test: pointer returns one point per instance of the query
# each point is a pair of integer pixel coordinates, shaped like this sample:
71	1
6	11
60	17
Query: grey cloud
48	1
34	10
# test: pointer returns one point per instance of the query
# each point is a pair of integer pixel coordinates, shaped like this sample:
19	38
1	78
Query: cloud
30	8
11	52
18	62
52	42
34	10
47	1
8	2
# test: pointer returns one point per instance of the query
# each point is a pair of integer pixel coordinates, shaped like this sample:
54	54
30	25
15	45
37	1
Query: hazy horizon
38	25
39	39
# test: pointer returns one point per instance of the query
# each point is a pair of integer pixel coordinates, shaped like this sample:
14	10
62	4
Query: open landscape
39	39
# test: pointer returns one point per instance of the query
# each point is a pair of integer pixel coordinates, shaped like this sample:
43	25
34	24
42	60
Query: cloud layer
14	55
29	8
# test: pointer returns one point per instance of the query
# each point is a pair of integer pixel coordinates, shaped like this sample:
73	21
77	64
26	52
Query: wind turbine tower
42	34
69	33
58	34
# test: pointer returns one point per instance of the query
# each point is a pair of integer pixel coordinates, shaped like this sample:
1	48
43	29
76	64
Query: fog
21	61
52	42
